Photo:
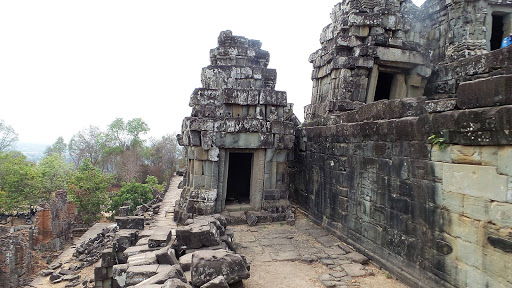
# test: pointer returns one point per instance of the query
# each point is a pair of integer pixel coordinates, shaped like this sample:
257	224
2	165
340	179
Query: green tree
58	148
7	136
19	182
136	193
88	143
162	156
87	188
55	174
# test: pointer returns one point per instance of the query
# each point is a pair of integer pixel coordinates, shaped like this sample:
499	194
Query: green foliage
19	182
136	193
55	174
57	148
440	141
87	189
152	181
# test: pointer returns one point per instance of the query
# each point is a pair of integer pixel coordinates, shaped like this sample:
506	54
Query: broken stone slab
357	257
119	275
70	278
55	266
55	276
130	222
146	258
175	283
201	233
218	282
354	270
66	272
125	238
186	261
160	238
164	272
137	274
209	264
166	255
46	272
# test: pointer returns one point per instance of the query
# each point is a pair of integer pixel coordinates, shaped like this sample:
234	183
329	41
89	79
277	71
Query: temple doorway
239	178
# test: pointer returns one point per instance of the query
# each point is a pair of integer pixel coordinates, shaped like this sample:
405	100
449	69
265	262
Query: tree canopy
8	137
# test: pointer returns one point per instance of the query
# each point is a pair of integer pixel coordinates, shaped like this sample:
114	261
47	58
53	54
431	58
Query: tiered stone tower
239	135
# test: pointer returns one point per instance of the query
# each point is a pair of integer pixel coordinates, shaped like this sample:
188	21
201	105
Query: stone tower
239	135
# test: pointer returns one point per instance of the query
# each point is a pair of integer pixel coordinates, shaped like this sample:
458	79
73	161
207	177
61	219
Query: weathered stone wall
16	263
442	216
365	38
462	29
54	223
447	77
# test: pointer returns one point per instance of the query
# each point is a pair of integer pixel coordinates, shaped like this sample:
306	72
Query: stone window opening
239	178
387	83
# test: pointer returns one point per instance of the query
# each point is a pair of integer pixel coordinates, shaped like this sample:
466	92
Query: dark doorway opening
239	178
497	31
383	89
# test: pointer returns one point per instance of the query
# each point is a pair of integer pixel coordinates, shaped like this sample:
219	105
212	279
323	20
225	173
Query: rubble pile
89	252
156	258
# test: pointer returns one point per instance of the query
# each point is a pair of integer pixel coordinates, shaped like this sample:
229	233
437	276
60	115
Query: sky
66	65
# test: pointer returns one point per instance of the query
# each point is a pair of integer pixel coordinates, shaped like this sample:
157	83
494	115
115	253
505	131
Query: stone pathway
307	244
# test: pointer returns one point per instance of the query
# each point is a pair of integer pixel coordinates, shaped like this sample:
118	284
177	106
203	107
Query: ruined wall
435	217
16	263
462	29
364	39
54	224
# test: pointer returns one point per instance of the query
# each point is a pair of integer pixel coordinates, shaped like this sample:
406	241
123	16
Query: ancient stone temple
406	149
239	135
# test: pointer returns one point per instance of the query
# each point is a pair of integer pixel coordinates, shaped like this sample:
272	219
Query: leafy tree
55	174
136	193
152	181
87	188
7	136
162	157
59	148
127	135
88	143
19	182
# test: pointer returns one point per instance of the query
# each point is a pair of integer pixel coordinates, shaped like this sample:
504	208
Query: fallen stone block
209	264
354	270
160	238
166	255
125	238
130	222
357	257
137	274
119	275
197	235
146	258
46	272
55	276
186	261
164	272
218	282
